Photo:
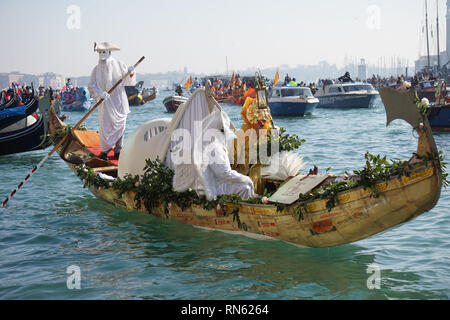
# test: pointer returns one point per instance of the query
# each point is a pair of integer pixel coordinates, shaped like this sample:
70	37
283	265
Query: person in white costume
112	113
211	172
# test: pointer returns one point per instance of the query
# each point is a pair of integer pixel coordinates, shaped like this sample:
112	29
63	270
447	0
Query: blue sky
199	34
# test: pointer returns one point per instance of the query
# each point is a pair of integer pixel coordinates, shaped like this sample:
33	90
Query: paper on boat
290	191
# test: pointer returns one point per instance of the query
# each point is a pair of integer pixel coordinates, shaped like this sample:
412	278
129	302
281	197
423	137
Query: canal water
53	223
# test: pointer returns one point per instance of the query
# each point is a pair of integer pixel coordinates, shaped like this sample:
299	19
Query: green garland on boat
155	186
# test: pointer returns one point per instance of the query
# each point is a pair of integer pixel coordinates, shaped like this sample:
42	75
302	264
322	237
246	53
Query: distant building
362	70
423	61
53	80
7	78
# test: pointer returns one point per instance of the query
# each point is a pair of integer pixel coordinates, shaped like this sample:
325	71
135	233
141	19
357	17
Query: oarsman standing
112	113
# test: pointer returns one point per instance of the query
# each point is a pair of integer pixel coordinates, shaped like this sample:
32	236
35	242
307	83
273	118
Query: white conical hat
105	46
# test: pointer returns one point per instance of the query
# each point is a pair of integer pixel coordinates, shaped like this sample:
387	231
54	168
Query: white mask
104	55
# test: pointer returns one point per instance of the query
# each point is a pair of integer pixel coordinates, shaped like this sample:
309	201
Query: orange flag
277	77
188	83
232	81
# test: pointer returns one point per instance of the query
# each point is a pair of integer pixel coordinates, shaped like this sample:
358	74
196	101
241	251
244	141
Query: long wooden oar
65	137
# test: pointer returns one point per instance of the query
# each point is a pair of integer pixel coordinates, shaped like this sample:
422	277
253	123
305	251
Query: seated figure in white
211	174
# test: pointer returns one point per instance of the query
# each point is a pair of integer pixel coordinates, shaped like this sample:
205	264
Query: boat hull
430	94
24	140
348	101
439	117
77	106
356	216
292	109
172	103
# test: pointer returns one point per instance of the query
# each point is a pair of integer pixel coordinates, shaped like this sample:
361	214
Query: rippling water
53	223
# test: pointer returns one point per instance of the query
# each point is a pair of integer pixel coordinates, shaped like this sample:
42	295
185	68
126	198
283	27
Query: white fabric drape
112	114
209	173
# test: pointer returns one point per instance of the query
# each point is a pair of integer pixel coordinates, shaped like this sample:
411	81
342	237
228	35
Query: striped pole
24	181
65	138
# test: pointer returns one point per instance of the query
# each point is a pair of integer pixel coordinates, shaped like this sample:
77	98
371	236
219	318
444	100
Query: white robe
208	170
221	179
112	114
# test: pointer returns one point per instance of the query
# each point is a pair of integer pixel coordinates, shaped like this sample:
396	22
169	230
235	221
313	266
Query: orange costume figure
253	135
251	93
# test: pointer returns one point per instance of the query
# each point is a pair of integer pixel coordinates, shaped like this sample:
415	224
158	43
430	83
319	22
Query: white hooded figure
112	113
211	173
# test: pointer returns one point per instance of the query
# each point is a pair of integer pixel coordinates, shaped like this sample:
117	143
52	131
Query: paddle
65	137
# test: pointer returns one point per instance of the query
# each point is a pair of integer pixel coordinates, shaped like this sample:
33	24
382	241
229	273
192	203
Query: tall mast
438	49
428	40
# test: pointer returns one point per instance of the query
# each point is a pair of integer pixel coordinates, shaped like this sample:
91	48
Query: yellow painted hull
357	215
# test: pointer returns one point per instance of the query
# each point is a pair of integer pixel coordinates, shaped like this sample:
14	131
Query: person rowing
112	113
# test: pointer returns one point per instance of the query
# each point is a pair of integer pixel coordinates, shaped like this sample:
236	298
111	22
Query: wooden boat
27	134
14	114
357	214
11	103
134	94
76	101
439	117
427	89
173	102
149	95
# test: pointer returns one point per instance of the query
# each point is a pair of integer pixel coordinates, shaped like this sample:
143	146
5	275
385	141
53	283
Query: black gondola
30	137
134	94
29	108
27	139
10	104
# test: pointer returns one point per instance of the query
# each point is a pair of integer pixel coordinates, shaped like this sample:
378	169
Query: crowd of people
21	93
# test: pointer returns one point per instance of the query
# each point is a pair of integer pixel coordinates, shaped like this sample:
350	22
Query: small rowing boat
173	102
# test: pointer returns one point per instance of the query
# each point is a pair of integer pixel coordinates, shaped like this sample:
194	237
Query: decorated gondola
308	210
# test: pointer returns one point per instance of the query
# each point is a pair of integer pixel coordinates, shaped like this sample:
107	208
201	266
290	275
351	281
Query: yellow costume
260	121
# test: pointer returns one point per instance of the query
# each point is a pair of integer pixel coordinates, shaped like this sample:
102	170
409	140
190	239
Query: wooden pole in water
65	138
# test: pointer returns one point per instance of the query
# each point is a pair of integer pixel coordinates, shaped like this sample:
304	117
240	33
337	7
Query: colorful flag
188	83
277	77
232	82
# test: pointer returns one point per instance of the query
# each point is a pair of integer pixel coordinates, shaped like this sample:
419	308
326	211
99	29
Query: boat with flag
309	210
